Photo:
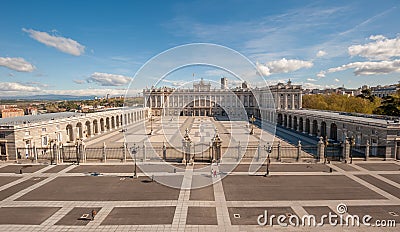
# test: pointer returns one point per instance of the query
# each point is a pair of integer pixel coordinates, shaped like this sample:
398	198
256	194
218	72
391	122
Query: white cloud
311	79
65	45
17	64
377	37
381	48
174	83
321	74
309	85
370	67
79	82
321	53
337	80
106	79
283	66
17	87
88	92
264	70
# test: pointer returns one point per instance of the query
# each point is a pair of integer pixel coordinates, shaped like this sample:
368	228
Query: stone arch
102	125
285	120
333	132
290	122
112	122
301	124
95	127
79	130
70	132
120	120
108	124
323	129
117	121
88	129
295	124
315	128
280	119
307	129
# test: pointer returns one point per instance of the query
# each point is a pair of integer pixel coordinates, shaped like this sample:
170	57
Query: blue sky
95	47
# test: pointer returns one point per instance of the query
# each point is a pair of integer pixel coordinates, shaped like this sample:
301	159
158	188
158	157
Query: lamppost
133	151
352	143
53	150
151	124
252	120
268	149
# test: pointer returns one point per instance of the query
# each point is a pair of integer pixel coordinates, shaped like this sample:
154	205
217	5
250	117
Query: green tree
390	105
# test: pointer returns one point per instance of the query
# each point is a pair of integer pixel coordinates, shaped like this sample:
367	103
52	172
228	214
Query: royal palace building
203	100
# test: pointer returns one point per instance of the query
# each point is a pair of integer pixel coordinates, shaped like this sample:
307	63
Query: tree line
364	103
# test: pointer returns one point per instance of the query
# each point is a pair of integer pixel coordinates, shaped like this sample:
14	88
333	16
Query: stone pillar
285	101
278	101
164	149
300	101
346	150
279	151
124	152
321	150
144	152
35	154
83	151
238	152
367	151
104	153
298	151
292	96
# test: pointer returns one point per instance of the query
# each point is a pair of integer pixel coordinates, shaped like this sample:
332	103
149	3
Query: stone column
279	151
104	153
278	101
285	101
367	151
144	152
321	150
292	96
124	152
298	151
238	152
346	150
300	101
151	101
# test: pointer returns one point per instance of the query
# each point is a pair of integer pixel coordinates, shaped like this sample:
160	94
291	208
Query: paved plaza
228	196
53	198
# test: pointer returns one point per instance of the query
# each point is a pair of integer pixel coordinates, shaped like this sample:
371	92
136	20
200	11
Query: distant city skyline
95	48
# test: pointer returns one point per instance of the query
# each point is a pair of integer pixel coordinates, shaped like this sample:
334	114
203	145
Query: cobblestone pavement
43	200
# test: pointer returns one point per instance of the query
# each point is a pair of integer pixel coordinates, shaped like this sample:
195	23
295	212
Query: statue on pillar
216	147
186	142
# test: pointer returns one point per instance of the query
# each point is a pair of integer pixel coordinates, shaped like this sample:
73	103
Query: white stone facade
29	131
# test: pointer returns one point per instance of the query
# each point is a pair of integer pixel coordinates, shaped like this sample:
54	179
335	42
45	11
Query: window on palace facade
44	140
